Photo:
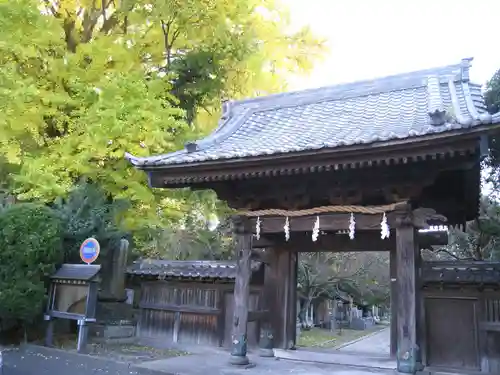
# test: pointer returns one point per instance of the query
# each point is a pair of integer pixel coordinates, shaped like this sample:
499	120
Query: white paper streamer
287	229
315	231
384	228
257	228
352	227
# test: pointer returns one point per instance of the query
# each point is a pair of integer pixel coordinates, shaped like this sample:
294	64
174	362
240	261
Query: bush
30	250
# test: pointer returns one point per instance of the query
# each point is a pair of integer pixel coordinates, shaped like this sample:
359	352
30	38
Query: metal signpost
89	250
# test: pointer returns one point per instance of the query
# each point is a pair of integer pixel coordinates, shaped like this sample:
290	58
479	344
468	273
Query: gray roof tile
390	108
81	272
188	269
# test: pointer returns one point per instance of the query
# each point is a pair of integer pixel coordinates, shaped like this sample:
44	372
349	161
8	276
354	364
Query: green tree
67	115
193	237
89	212
30	239
126	77
492	162
479	242
322	274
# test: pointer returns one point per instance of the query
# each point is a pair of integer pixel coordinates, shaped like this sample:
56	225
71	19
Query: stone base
408	361
112	332
237	360
266	353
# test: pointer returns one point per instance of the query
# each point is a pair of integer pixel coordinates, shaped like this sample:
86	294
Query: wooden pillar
394	303
280	296
408	308
268	296
291	302
241	291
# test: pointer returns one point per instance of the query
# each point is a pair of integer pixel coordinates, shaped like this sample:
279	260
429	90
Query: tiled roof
391	108
81	272
457	272
188	269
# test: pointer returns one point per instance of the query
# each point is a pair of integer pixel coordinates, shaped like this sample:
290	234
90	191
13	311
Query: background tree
373	286
130	76
30	239
89	212
191	239
322	274
492	163
479	242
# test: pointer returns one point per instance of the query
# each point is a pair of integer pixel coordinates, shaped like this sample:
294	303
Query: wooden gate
461	316
452	339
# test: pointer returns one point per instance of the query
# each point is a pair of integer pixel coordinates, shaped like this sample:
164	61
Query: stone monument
114	317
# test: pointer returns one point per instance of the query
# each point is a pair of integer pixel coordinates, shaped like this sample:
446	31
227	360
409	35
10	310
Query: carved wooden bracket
241	225
419	218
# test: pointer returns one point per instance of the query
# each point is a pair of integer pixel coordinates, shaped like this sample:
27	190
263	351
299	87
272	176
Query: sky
375	38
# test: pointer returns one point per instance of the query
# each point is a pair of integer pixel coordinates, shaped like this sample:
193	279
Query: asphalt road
44	361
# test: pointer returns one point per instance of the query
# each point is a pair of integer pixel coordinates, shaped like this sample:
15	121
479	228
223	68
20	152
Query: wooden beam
328	222
181	309
241	293
363	241
422	217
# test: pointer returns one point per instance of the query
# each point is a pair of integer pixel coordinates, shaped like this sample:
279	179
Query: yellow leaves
76	107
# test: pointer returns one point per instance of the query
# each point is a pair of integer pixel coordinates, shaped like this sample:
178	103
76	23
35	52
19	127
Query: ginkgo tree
81	82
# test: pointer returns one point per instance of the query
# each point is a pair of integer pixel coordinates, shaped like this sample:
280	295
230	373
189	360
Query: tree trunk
303	311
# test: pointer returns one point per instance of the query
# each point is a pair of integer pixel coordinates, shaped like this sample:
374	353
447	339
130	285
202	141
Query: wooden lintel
340	221
363	241
180	308
328	222
302	242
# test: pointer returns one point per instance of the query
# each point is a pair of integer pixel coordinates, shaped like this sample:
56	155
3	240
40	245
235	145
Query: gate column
408	350
241	291
394	303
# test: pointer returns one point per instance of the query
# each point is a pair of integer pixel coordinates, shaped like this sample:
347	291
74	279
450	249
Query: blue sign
89	251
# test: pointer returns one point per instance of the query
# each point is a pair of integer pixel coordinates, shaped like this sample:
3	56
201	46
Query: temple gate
353	167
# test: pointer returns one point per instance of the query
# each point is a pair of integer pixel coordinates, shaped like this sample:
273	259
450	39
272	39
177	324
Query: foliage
492	162
63	116
89	212
371	287
125	77
30	239
189	239
322	274
492	93
481	239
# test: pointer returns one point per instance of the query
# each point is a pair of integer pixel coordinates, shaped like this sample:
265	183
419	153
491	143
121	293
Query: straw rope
371	210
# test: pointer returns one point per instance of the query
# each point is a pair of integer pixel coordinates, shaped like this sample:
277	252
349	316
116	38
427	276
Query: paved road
217	364
43	361
378	343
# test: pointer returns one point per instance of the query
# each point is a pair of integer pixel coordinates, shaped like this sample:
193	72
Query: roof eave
376	147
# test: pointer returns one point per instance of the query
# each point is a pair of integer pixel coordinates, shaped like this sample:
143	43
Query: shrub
30	250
